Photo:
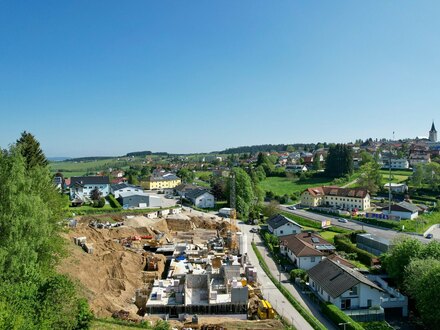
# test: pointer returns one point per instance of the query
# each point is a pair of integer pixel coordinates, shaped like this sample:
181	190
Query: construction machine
265	310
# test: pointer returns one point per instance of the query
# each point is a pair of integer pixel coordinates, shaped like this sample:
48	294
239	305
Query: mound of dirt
109	276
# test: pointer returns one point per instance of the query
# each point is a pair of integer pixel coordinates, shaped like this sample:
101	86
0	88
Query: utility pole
389	181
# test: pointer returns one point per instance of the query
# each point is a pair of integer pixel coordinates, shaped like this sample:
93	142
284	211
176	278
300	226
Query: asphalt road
268	289
353	225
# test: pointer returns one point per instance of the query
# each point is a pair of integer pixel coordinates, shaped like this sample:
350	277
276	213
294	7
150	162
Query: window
369	303
312	259
281	231
354	291
345	304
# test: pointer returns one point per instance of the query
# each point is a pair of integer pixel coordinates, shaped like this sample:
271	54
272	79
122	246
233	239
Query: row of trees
416	269
427	174
32	294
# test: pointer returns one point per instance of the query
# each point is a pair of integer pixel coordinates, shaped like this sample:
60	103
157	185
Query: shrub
298	273
113	202
342	243
338	316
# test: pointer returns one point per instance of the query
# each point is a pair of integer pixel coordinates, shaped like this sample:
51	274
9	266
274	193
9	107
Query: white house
396	163
306	249
81	187
279	225
332	196
296	168
404	210
399	188
117	189
344	287
201	198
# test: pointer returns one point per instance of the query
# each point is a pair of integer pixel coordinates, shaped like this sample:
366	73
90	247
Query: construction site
187	267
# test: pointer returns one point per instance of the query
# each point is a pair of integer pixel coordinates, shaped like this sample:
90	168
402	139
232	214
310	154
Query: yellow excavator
265	310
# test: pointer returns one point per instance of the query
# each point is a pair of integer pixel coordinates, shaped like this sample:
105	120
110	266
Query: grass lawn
422	223
328	235
202	183
282	185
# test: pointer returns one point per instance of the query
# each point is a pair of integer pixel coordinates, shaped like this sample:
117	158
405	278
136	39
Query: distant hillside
265	148
89	159
58	159
145	153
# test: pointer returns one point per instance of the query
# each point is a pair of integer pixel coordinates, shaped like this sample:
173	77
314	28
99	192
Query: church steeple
433	133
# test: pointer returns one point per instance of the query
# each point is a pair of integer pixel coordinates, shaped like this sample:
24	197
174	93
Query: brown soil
110	276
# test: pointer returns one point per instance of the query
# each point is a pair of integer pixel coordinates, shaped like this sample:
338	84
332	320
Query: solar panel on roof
315	240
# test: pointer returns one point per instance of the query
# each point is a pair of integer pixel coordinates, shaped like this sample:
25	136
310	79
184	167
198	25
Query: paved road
285	279
269	290
353	225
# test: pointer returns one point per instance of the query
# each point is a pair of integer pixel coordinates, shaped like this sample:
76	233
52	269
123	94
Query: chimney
309	234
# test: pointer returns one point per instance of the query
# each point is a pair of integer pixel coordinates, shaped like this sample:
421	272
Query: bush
338	316
298	273
342	243
113	202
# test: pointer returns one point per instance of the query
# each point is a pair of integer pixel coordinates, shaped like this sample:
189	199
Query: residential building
403	210
419	158
296	168
183	188
138	200
279	225
58	182
162	181
399	188
201	198
81	187
332	196
117	189
344	287
396	163
305	249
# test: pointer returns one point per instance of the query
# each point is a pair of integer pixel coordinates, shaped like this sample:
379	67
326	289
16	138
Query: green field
396	176
282	185
73	168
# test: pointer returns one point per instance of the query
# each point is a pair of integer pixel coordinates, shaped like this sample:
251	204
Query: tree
317	163
271	209
30	149
370	177
95	194
186	175
339	161
366	157
245	197
422	282
400	255
32	294
418	176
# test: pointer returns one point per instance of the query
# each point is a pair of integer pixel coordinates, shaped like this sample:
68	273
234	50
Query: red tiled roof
338	191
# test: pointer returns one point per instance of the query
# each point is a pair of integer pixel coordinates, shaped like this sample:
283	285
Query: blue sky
110	77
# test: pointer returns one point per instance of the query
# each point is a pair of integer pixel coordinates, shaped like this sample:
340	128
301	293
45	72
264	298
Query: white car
343	220
292	207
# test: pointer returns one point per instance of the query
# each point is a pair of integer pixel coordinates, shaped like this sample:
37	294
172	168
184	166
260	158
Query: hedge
338	316
113	202
342	243
307	316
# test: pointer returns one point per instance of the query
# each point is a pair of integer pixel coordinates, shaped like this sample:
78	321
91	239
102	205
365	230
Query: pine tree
31	151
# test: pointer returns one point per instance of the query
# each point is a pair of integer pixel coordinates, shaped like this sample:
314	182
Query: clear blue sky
110	77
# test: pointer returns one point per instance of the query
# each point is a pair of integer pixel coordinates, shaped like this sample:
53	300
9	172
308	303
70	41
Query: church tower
433	133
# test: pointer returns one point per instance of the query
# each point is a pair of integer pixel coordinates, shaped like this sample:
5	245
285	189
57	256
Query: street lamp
344	324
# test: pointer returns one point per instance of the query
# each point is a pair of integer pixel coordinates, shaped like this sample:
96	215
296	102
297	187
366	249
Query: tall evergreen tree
31	151
339	161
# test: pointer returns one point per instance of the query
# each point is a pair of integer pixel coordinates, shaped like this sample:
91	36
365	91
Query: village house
305	249
200	198
279	225
332	196
344	287
81	187
403	210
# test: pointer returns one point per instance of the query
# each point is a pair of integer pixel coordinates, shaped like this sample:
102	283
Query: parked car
343	220
292	207
254	230
429	236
